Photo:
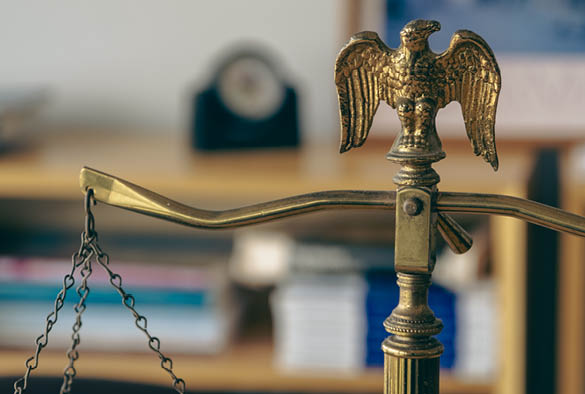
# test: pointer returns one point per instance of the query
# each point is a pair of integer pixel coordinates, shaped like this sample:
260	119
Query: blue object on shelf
382	298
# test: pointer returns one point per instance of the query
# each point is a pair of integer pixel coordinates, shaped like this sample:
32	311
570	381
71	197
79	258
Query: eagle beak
433	26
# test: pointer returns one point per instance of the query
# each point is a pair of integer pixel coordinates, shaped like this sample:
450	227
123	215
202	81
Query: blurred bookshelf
571	292
39	194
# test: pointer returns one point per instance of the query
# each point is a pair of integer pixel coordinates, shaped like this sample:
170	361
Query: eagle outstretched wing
362	72
471	76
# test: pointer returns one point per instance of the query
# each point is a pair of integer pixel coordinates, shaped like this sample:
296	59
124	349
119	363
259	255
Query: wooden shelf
50	168
247	366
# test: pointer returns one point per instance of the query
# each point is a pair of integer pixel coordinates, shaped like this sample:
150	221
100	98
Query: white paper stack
476	340
319	322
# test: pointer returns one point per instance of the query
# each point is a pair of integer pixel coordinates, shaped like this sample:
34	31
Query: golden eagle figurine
417	83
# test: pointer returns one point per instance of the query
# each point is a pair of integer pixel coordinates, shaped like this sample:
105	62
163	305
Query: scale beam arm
117	192
519	208
114	191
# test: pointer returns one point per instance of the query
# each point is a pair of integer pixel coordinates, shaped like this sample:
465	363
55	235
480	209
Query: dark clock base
215	127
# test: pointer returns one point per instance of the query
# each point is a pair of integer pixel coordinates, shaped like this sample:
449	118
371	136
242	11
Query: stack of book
330	309
188	308
316	324
335	321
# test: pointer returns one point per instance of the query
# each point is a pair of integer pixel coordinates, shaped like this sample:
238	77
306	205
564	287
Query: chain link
128	300
42	340
88	251
82	291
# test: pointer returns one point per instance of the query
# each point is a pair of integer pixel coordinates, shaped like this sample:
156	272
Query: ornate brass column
411	354
417	83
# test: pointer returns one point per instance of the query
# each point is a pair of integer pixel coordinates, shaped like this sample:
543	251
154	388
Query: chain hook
89	219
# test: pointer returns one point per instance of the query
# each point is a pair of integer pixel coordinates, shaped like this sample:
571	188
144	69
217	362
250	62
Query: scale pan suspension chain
83	291
88	253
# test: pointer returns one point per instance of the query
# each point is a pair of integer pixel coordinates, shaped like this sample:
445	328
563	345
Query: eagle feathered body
417	83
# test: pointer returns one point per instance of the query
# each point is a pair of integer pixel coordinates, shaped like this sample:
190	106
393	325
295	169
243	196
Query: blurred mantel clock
247	105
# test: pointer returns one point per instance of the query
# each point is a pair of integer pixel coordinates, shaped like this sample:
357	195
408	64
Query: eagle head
415	34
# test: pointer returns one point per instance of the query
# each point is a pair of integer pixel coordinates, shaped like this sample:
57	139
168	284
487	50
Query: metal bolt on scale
417	83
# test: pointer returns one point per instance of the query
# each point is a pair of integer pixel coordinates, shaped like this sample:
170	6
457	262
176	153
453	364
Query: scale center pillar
411	353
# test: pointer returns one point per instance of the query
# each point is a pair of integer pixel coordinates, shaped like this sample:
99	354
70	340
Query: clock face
250	88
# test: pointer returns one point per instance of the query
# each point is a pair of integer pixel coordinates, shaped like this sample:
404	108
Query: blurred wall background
133	64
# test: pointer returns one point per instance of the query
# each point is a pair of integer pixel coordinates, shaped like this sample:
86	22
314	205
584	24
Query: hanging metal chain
83	291
87	238
81	257
128	300
88	251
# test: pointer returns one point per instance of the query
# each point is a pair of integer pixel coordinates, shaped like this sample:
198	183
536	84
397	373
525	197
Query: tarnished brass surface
412	344
408	375
115	191
417	83
120	193
413	251
412	322
519	208
456	237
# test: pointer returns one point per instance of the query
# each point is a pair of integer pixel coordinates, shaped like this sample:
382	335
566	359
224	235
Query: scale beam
120	193
519	208
123	194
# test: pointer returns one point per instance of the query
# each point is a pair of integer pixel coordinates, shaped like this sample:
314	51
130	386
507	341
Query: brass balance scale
417	83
